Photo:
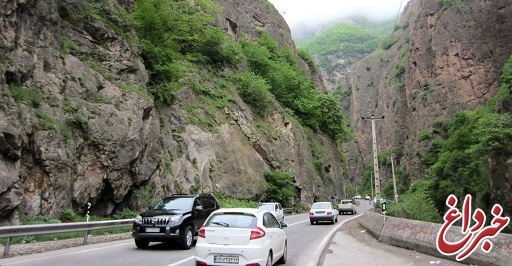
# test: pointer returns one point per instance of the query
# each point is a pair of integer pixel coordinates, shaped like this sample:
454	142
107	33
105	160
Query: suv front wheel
187	238
141	243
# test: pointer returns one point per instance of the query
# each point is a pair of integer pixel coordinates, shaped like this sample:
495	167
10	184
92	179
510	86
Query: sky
318	11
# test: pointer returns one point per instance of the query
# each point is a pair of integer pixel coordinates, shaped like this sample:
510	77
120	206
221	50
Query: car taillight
201	263
311	213
257	233
253	264
329	213
202	233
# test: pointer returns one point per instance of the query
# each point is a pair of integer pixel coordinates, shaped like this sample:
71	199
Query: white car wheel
282	260
269	260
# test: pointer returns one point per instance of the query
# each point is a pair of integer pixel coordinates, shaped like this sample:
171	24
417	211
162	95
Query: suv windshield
173	203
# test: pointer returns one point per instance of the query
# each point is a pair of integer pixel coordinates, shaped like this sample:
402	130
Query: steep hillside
97	108
445	57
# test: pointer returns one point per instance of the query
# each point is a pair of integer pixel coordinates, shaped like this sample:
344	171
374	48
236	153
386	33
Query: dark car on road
176	218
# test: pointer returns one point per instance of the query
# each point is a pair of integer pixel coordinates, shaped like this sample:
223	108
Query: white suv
274	208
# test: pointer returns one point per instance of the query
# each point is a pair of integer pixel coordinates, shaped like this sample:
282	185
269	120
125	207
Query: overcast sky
317	11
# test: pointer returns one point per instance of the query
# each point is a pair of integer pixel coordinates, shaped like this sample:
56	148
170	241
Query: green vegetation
279	187
290	86
388	191
458	157
255	91
67	46
446	3
226	201
342	38
461	165
308	59
388	43
172	32
30	96
416	204
96	97
177	41
351	41
67	215
135	88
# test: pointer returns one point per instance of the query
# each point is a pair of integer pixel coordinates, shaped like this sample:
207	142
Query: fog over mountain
300	13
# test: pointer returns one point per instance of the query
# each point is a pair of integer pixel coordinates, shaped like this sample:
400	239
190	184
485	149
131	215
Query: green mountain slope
344	43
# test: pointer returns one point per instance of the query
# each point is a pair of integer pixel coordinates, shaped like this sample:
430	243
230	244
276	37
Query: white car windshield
232	220
269	207
321	205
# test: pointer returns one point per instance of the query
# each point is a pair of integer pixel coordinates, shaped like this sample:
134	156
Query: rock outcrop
77	126
448	57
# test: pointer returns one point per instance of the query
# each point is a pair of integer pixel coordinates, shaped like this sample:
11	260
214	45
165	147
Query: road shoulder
352	245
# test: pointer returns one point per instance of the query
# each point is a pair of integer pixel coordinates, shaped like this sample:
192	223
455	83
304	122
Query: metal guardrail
41	229
287	210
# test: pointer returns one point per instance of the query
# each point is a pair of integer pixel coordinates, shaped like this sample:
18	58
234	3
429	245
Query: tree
279	187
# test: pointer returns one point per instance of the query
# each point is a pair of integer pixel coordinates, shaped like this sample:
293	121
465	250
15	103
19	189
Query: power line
398	14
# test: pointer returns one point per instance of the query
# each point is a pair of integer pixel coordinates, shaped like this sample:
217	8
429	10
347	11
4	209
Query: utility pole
371	182
394	180
375	154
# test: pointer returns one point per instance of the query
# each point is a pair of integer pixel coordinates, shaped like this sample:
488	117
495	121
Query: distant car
274	207
347	206
175	218
323	211
241	236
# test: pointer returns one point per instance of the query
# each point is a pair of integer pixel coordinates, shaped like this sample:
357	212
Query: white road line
318	252
182	261
298	222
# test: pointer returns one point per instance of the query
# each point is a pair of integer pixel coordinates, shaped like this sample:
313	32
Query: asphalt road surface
324	244
304	248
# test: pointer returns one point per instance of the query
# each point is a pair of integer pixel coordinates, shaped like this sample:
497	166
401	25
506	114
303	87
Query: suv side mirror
150	208
283	224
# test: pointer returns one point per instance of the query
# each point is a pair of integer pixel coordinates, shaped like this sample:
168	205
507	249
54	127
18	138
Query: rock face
77	126
447	58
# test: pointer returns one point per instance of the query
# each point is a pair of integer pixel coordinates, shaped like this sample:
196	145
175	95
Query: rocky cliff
444	57
77	126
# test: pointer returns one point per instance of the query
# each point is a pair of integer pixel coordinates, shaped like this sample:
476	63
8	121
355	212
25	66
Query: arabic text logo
474	235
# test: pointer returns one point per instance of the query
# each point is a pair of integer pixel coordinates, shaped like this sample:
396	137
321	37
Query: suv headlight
175	219
138	219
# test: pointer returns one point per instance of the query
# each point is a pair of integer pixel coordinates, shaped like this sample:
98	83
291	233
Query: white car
323	211
274	207
241	236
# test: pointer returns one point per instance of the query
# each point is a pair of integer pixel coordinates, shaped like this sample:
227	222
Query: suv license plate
152	230
225	259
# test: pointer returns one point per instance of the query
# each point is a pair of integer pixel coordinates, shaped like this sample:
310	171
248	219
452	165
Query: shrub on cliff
279	187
